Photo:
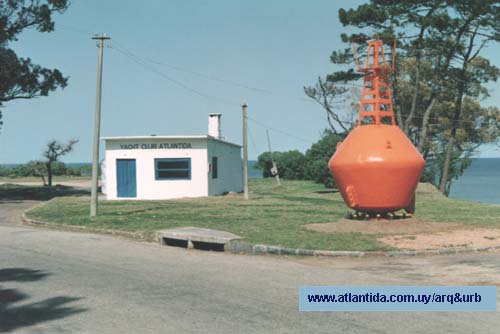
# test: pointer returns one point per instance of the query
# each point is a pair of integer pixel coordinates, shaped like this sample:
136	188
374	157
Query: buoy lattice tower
376	100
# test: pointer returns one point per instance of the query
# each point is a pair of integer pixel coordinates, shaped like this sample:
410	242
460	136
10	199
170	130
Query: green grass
437	208
273	215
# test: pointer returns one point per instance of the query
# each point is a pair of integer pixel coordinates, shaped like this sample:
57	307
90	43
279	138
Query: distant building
165	167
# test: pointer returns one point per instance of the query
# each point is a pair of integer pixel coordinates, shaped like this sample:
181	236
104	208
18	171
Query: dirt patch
399	226
428	189
477	238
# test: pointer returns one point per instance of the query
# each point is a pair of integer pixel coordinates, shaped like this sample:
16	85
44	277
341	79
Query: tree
19	77
480	26
477	125
327	94
439	65
53	152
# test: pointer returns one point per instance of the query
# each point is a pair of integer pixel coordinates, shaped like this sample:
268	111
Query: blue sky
279	46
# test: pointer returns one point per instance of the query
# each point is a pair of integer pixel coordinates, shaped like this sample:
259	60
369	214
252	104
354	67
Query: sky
171	63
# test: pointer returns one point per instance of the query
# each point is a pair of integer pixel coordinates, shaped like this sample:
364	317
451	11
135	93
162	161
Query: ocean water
480	182
253	172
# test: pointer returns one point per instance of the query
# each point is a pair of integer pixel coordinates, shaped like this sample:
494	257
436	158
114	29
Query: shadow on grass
327	191
14	317
13	192
308	200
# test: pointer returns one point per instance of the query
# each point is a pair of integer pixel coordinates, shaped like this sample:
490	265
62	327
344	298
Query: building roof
202	137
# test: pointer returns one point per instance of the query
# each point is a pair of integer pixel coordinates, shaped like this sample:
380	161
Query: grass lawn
273	215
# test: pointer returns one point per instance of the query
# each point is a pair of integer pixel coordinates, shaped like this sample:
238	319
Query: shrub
317	158
290	164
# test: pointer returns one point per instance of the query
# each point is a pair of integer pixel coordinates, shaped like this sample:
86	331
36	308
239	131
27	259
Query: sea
480	182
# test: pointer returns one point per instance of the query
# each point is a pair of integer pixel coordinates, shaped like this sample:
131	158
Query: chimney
214	125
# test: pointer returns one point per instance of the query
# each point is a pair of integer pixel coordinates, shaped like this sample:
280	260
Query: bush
86	170
290	164
294	165
36	168
5	171
73	171
317	158
264	162
59	168
31	168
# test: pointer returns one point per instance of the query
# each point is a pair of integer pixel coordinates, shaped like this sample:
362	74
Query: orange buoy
376	167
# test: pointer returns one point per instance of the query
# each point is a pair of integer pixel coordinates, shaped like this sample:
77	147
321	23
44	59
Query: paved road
60	282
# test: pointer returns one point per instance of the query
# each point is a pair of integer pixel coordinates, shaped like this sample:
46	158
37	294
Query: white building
164	167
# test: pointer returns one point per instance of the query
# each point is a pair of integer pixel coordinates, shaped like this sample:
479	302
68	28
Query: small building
164	167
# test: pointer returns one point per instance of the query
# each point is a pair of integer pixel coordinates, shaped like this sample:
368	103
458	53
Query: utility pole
97	125
274	170
245	151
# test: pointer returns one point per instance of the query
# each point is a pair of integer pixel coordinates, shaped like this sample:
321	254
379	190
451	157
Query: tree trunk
395	98
49	173
446	166
406	128
449	149
443	185
418	59
425	123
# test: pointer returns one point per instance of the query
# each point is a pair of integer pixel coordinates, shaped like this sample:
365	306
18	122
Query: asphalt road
61	282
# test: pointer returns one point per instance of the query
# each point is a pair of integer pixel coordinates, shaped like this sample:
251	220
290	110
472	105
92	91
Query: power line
142	61
195	73
197	92
278	130
171	79
252	140
212	77
75	29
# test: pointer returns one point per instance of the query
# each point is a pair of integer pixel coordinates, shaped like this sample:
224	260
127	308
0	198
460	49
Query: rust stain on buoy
376	167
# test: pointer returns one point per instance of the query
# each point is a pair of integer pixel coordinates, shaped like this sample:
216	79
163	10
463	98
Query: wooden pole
274	170
97	126
245	151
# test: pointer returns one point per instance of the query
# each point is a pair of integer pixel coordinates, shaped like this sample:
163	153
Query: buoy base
378	216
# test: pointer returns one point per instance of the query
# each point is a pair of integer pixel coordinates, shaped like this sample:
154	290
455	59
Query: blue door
125	178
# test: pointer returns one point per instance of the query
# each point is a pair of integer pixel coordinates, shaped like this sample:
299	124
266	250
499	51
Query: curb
256	249
245	247
147	237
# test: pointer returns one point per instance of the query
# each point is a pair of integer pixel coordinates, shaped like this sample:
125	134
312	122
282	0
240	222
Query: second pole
245	151
97	127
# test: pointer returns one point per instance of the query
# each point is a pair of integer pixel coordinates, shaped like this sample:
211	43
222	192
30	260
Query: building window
173	169
214	168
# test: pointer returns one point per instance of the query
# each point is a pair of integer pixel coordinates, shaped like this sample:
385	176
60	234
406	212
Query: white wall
147	186
230	168
214	125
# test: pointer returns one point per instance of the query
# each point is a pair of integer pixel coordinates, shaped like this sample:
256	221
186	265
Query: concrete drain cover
195	237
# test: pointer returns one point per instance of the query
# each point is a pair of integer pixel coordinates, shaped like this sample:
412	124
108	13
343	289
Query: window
173	169
214	167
